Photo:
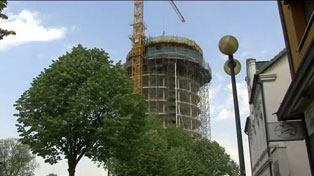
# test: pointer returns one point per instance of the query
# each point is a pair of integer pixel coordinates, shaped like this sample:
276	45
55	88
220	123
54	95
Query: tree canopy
172	151
16	159
82	105
4	32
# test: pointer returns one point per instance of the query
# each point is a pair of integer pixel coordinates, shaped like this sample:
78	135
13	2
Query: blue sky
46	30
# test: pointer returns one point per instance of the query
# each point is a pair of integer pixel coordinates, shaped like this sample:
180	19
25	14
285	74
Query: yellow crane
138	42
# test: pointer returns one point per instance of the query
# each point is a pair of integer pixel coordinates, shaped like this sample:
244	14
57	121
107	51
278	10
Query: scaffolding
174	74
204	116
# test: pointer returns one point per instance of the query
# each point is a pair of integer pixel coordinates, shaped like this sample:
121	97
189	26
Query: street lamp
228	45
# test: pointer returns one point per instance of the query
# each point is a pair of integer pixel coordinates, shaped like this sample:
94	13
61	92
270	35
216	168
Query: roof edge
174	39
272	61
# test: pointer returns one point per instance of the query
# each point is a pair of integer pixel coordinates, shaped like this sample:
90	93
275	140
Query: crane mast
138	46
138	42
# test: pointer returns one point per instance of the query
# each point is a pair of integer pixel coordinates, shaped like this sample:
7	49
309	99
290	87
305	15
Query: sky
47	30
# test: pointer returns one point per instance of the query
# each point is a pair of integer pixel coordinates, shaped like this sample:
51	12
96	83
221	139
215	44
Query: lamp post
228	45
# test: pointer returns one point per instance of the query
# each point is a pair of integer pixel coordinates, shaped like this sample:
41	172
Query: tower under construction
175	81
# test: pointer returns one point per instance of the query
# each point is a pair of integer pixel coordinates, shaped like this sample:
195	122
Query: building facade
174	77
267	83
298	103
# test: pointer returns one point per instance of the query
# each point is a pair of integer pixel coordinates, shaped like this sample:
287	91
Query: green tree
16	159
180	145
214	158
147	156
186	162
80	106
4	32
172	151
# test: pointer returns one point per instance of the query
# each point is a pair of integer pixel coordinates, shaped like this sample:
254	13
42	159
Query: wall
274	93
257	134
288	158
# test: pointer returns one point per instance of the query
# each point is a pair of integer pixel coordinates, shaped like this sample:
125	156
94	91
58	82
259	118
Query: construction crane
138	42
138	46
175	8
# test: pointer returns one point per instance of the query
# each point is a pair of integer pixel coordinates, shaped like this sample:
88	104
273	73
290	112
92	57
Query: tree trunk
71	171
72	166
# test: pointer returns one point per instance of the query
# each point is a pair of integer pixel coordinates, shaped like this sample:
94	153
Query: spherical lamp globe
228	45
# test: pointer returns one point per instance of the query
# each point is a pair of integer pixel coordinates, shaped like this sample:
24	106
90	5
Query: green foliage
186	162
82	105
4	32
16	159
214	158
147	155
180	145
172	151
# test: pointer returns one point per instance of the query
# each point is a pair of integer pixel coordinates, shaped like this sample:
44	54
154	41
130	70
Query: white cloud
243	98
225	110
223	115
215	109
73	28
28	28
219	77
213	92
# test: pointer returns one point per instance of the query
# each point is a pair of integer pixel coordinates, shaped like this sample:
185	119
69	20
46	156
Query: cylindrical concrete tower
173	72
